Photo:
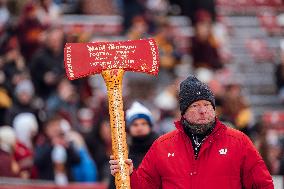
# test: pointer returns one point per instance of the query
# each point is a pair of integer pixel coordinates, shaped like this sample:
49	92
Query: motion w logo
223	151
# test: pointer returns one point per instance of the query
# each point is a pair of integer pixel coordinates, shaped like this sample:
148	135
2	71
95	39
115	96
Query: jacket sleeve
73	157
147	175
255	174
42	156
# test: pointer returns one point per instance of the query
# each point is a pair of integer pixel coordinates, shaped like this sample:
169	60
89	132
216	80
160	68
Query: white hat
7	138
25	125
136	111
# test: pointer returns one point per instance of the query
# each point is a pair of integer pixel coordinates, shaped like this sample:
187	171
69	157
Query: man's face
53	129
200	112
55	133
24	98
139	127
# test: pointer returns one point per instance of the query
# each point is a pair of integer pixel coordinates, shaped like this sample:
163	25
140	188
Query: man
140	129
202	153
46	65
55	155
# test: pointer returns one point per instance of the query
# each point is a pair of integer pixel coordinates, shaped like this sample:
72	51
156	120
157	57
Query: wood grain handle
113	79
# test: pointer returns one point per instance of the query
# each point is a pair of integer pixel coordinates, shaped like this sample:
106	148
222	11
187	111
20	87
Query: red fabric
170	163
6	169
24	157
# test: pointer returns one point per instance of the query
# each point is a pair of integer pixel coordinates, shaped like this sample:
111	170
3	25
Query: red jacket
227	160
24	157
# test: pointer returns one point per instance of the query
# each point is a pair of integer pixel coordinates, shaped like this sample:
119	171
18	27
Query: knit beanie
192	90
137	111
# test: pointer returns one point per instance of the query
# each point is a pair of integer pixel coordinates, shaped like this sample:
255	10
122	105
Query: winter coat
137	149
86	170
205	54
45	61
24	157
227	160
44	164
6	165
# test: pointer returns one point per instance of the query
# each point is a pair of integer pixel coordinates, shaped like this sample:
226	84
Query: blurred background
53	130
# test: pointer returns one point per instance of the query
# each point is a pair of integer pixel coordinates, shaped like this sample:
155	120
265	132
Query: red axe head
83	59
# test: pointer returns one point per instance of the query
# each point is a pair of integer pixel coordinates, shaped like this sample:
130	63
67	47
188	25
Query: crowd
56	129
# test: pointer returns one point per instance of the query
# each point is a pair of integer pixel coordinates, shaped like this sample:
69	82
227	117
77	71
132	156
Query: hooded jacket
227	160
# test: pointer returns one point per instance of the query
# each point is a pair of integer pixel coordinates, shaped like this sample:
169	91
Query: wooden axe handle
113	79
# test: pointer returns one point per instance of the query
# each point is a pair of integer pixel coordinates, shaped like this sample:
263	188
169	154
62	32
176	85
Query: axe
112	59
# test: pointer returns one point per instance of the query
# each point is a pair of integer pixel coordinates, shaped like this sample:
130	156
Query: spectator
29	31
168	111
26	127
86	170
55	156
279	73
48	12
8	166
169	56
99	145
236	108
204	47
139	28
13	65
131	9
24	96
47	64
64	102
207	5
4	13
259	136
139	121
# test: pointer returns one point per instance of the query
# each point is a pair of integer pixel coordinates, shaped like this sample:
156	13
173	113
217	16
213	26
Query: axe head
83	59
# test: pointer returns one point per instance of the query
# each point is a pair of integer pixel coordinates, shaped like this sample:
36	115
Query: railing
11	183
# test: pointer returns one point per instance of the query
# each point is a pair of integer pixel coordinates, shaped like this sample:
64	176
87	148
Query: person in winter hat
202	153
139	122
